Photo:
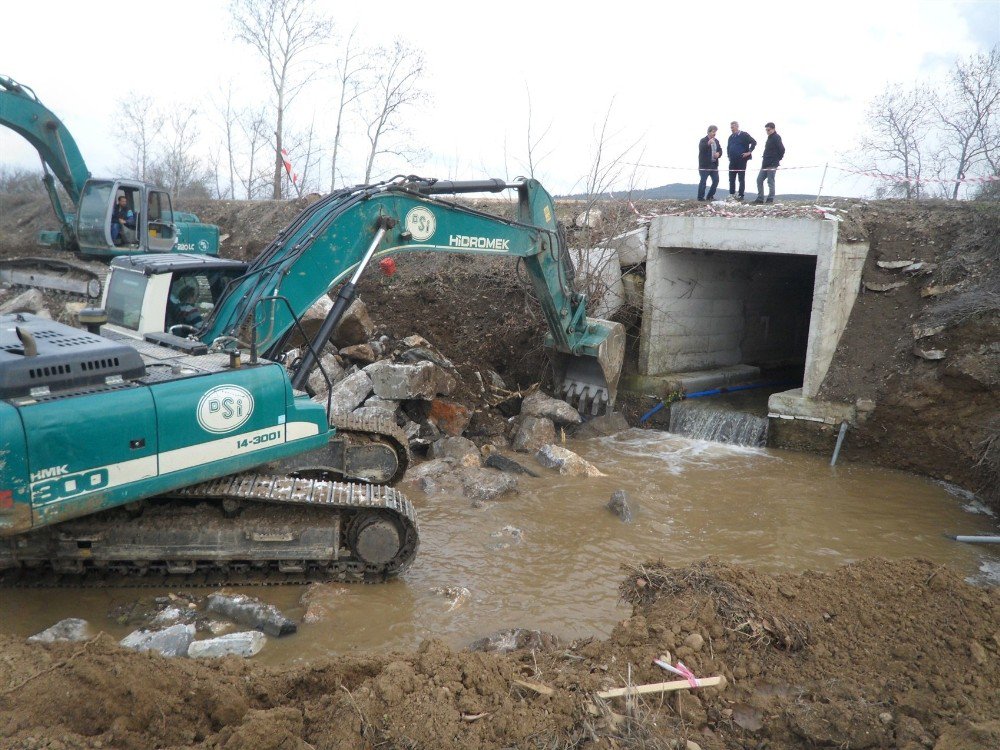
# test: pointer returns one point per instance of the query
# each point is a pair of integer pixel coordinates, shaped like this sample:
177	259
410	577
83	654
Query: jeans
737	171
767	174
705	174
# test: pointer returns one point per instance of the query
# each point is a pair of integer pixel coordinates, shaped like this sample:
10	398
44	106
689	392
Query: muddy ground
875	655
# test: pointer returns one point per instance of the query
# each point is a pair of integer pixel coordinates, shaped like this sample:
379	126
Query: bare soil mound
879	654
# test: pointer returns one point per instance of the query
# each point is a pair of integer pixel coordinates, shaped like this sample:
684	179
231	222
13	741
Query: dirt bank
878	654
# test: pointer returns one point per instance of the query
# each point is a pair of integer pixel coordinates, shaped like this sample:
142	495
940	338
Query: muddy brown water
550	557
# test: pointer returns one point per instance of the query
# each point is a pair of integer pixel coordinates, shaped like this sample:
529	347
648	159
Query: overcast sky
666	70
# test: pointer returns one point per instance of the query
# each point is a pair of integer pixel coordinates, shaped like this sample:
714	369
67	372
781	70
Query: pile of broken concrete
412	383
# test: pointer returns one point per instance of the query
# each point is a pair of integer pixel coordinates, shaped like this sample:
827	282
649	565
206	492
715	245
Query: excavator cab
122	217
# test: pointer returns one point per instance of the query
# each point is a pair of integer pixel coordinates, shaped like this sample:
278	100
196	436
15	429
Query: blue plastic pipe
718	392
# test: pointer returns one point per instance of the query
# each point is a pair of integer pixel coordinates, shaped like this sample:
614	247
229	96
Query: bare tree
396	80
899	121
180	165
137	124
282	32
351	69
534	142
227	121
967	111
253	124
608	164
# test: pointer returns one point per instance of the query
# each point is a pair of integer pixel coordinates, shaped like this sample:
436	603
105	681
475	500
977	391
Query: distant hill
684	191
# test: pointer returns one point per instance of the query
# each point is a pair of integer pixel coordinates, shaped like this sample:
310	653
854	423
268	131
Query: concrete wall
701	291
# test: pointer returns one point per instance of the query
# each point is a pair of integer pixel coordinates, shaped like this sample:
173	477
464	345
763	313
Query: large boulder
609	424
533	433
461	449
482	485
355	327
247	610
568	463
350	393
172	641
538	404
245	644
424	380
71	629
448	416
317	379
620	505
311	321
30	301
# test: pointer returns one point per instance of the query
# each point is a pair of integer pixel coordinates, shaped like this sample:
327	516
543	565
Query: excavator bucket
589	380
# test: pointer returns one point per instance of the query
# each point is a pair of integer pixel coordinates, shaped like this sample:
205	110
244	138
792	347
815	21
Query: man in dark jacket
774	152
709	152
740	149
122	218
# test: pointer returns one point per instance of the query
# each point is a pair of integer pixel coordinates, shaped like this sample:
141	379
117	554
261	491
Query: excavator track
72	278
244	529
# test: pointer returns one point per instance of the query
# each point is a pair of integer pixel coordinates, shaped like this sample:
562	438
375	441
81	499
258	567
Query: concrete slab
794	405
689	382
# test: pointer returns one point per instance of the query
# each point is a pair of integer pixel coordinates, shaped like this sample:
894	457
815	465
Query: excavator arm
332	241
22	112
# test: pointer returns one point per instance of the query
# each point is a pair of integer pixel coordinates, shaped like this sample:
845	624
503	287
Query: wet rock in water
355	327
30	301
568	463
433	469
320	600
331	370
533	433
364	353
619	505
70	629
483	485
172	641
461	449
246	643
609	424
403	382
508	465
513	533
349	393
448	416
253	612
167	616
540	405
516	639
457	594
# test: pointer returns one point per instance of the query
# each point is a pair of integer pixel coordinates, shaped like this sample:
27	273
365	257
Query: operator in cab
122	218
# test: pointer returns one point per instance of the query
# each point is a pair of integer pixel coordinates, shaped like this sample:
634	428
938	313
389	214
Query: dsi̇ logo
224	408
420	222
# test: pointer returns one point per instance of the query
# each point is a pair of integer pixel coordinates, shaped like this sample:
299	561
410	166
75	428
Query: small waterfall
702	420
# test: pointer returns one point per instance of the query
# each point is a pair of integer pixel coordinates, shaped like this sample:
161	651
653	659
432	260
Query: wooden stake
535	687
663	687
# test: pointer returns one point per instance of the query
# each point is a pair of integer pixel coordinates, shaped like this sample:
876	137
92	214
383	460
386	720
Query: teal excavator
153	227
173	438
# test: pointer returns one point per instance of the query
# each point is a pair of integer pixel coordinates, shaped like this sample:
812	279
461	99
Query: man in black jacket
774	152
709	152
740	148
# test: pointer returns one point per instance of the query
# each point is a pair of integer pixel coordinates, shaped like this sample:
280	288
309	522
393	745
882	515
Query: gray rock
333	370
423	380
463	450
30	301
386	404
533	433
539	405
509	465
172	641
245	644
619	505
349	393
568	463
167	616
312	320
516	639
434	468
71	629
372	411
930	354
253	612
483	485
355	327
609	424
425	354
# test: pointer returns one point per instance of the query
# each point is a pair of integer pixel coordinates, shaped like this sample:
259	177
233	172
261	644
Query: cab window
124	302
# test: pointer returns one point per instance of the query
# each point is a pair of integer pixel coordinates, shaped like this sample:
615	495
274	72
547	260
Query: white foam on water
674	453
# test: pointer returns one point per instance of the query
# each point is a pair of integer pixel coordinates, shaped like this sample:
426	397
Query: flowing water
703	420
551	556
